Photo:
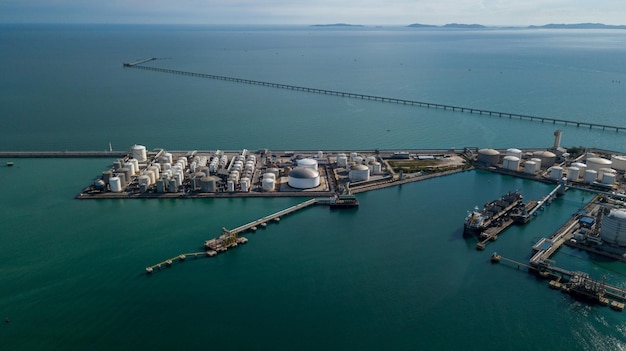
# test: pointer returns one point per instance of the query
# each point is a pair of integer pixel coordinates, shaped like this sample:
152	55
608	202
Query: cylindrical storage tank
609	178
579	165
106	175
230	186
139	152
244	183
205	170
115	184
488	156
370	159
514	152
161	185
320	154
353	155
613	228
375	167
556	172
172	185
603	171
531	167
538	162
207	184
342	160
123	180
275	171
268	175
118	164
590	176
308	163
151	176
156	171
168	158
131	167
358	160
573	173
619	162
304	178
596	163
143	179
547	158
511	163
359	172
183	160
268	184
167	166
136	163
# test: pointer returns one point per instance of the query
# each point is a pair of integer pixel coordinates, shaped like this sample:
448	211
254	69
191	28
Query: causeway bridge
590	125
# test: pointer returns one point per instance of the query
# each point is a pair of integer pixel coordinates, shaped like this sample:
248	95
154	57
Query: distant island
546	26
337	25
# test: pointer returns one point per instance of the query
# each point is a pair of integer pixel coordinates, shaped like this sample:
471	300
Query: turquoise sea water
395	274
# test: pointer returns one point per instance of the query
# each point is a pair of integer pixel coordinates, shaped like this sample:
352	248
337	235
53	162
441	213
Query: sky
364	12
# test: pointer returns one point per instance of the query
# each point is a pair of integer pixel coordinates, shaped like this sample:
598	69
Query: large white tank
514	152
590	176
208	184
573	173
359	172
353	155
531	167
244	183
143	180
131	167
308	163
304	178
269	176
167	157
603	171
358	160
510	162
156	171
488	156
151	177
609	178
596	163
139	152
538	162
268	184
579	165
556	172
619	162
613	229
375	167
342	160
115	184
547	158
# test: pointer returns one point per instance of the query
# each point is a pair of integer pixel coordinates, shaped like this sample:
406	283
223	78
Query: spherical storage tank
613	230
547	158
596	163
304	178
359	172
488	156
511	163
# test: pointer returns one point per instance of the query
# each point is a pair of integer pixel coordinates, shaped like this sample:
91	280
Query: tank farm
334	178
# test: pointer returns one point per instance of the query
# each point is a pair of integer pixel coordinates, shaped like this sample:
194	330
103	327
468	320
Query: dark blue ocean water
394	274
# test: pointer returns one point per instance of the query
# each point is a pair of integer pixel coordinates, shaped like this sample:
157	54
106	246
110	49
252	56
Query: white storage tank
269	176
359	172
531	167
489	156
556	173
143	180
573	173
514	152
342	160
230	186
275	171
596	163
304	178
161	185
131	167
511	163
268	184
538	162
172	185
590	176
353	155
151	176
320	155
375	167
139	152
156	171
579	165
115	184
358	160
547	158
603	171
619	162
308	163
167	157
208	184
127	174
609	178
244	183
613	229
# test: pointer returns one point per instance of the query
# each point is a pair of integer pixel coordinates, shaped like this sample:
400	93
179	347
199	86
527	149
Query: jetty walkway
590	125
61	154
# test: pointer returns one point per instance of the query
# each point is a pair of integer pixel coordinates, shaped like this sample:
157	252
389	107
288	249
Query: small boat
9	164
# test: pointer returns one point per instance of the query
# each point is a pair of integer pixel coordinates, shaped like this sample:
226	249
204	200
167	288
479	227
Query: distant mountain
337	25
579	26
546	26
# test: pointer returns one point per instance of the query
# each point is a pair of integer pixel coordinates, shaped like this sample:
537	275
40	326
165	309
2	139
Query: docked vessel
479	220
344	201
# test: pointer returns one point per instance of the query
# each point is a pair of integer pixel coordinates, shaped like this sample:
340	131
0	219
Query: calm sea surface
394	274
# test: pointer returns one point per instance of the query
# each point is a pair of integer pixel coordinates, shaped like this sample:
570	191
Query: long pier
275	216
61	154
509	115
